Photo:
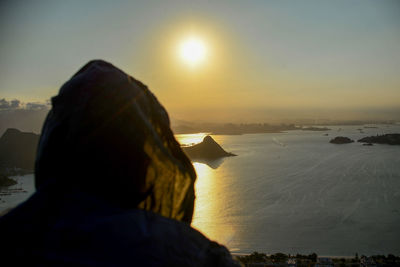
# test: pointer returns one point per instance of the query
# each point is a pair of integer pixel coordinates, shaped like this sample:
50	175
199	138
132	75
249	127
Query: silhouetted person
113	185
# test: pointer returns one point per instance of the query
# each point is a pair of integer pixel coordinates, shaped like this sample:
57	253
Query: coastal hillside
18	149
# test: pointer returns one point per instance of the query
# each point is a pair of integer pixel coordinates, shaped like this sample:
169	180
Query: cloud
12	104
36	106
7	105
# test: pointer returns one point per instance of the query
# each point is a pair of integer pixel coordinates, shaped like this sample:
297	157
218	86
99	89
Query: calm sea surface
295	192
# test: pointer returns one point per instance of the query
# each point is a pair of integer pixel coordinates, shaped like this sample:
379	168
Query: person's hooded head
107	135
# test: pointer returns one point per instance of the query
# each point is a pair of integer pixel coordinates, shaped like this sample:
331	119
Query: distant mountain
208	149
390	139
18	149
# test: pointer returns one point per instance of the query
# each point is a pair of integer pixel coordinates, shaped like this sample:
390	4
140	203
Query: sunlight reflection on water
209	205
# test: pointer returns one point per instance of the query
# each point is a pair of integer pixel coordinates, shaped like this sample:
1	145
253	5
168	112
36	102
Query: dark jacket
113	185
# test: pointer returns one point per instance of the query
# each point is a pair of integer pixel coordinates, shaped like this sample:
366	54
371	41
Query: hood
108	135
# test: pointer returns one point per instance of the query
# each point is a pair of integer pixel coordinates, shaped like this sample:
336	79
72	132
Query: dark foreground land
280	259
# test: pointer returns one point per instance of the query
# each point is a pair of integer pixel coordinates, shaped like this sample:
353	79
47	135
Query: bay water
293	192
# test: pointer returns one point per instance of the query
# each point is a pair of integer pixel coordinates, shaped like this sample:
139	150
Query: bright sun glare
192	51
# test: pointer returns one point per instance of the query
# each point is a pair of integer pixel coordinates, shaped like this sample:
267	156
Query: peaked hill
207	149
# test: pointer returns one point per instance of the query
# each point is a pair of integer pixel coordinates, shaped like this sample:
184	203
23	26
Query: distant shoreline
254	128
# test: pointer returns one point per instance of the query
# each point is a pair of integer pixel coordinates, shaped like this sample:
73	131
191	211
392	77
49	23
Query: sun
193	51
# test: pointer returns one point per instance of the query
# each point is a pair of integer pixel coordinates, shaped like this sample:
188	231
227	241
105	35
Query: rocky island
389	139
207	149
341	140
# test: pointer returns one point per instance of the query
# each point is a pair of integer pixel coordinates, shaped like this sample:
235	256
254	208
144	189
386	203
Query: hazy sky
331	59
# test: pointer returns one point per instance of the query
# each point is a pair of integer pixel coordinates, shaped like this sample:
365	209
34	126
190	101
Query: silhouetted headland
17	151
341	140
208	149
389	139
